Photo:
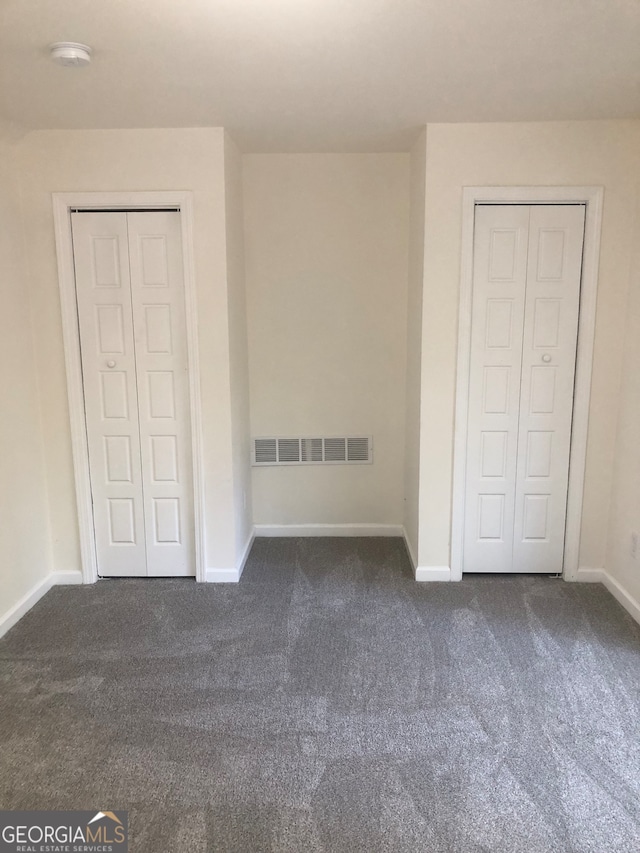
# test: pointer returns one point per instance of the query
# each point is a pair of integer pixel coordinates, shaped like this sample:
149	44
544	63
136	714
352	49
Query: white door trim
63	203
592	197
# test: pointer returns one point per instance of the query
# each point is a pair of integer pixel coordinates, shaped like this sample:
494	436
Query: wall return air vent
348	450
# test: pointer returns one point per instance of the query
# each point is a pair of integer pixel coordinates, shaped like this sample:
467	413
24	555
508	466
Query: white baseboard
622	596
246	552
33	596
231	575
433	573
407	545
234	574
328	530
24	605
65	578
586	575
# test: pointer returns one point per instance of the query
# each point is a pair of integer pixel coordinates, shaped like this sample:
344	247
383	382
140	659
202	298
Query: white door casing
592	200
130	297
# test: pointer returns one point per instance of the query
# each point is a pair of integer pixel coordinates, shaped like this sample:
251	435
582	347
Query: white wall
238	352
553	153
130	160
625	499
414	344
25	544
326	266
333	337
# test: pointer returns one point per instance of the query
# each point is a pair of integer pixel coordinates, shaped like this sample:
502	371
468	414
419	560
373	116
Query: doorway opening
163	513
588	199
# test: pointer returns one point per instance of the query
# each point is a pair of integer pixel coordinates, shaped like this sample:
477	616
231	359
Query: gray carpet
329	703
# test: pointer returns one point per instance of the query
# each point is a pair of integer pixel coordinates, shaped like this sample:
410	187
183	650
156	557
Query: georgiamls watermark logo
63	832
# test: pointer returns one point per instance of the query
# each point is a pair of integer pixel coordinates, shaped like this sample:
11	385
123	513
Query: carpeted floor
329	703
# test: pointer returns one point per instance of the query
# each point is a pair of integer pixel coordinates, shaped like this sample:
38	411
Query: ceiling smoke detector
70	53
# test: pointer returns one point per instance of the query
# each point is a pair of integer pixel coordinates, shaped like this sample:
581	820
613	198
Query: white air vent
313	451
265	451
288	450
335	449
358	449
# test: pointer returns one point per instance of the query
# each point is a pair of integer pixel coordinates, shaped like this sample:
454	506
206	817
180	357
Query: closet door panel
500	265
109	380
161	363
556	234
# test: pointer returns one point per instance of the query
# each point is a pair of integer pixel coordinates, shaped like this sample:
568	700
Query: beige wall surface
25	552
414	341
625	498
333	273
131	160
554	153
326	267
238	350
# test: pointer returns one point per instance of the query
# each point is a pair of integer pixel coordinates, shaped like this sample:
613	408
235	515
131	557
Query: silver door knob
111	364
546	358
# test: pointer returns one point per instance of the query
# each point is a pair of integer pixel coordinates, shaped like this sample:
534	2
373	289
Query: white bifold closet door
526	294
131	315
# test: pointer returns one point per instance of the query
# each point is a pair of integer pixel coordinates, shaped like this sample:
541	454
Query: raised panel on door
163	391
556	234
103	292
500	261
